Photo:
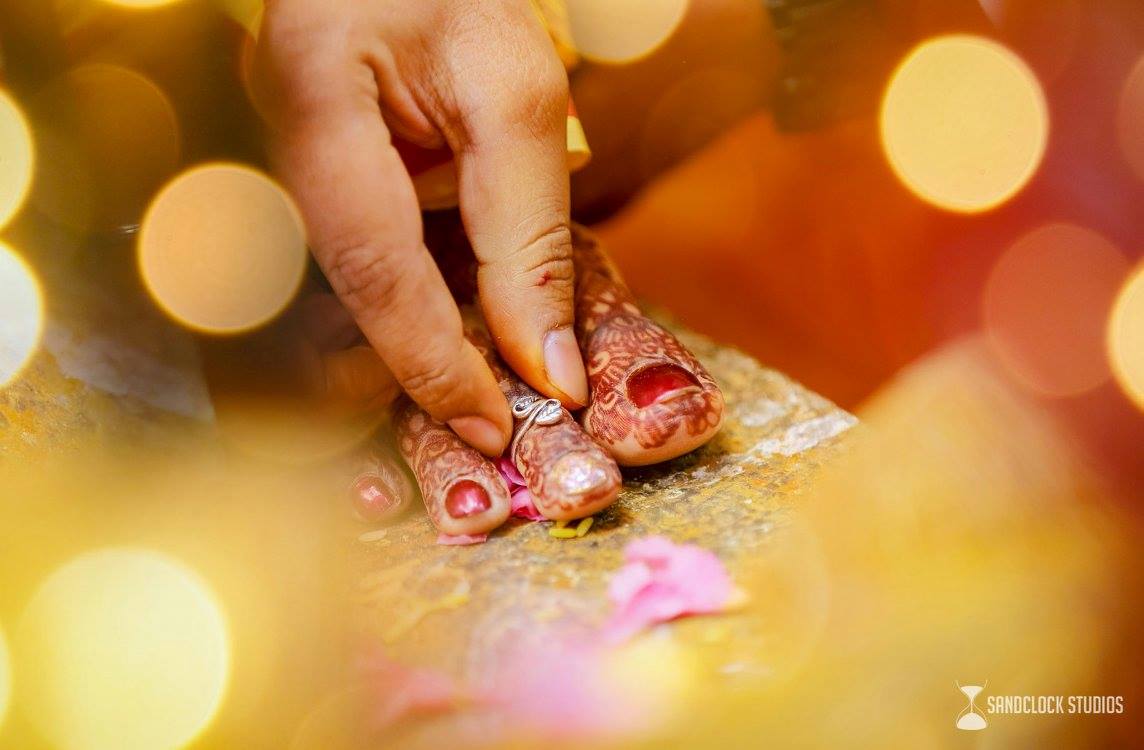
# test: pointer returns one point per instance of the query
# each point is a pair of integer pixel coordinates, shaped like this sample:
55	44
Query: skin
336	81
570	467
569	475
444	465
651	400
381	491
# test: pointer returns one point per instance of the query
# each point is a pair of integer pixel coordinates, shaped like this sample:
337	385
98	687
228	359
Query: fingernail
467	498
479	433
564	365
372	500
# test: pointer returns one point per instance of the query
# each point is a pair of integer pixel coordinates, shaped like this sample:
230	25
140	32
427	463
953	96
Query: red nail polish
466	498
652	384
372	500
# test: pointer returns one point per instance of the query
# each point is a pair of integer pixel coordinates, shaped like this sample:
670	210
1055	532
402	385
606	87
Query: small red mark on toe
544	277
652	384
466	498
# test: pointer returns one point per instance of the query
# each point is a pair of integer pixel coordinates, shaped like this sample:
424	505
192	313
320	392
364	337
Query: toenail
655	383
466	498
372	499
580	475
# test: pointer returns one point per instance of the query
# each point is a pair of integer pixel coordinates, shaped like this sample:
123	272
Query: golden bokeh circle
122	649
21	314
17	155
109	137
964	123
1126	337
222	249
622	31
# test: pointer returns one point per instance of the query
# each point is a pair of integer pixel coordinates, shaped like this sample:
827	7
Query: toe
661	382
382	490
466	498
651	398
567	473
372	500
462	490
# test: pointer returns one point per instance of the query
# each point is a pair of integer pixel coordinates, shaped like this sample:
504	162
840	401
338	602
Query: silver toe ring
532	410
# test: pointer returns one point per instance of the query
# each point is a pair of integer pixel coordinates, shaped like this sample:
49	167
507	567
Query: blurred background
928	211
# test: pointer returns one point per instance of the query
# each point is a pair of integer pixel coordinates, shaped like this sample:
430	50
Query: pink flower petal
403	691
523	507
627	582
654	550
461	539
661	581
522	503
564	688
511	474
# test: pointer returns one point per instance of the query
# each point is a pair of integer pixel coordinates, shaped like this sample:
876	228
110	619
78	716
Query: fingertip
564	366
481	433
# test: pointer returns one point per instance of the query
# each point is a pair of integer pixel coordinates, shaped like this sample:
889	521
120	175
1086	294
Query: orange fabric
800	248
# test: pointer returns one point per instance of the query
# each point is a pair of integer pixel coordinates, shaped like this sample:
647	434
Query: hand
651	400
336	80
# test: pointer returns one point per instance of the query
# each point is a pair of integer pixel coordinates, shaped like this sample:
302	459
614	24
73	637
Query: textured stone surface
459	609
114	373
110	369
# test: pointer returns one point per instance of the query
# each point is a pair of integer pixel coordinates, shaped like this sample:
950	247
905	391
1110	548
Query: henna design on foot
462	490
569	475
651	399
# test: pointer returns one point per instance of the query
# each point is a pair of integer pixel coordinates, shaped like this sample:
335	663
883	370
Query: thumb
513	179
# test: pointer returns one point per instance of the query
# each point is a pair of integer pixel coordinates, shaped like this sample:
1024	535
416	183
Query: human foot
381	490
463	493
568	474
651	400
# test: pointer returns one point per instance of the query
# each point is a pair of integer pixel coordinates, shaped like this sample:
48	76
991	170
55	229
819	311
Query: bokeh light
109	139
5	677
222	248
16	158
21	314
335	723
1046	308
964	123
247	13
1044	32
142	4
1126	337
619	31
124	649
1130	119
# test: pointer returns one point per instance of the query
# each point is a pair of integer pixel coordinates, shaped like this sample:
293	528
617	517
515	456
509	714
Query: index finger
336	157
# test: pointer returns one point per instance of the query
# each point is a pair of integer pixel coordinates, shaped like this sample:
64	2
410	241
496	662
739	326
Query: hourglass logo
969	718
